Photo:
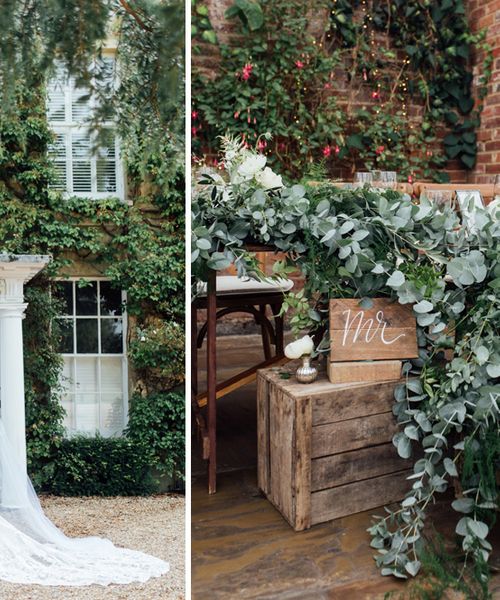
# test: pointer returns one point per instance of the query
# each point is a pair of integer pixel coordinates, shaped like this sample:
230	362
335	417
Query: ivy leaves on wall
140	248
375	87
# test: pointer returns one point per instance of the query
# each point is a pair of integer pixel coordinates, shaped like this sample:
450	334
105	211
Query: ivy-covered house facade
83	182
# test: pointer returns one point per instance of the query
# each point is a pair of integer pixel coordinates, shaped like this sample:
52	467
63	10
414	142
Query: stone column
15	271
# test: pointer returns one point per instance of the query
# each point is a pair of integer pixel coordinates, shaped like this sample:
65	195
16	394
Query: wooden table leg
212	380
278	328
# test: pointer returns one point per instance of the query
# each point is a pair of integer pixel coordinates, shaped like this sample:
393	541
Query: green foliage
97	466
156	427
43	408
150	39
159	350
442	573
337	93
201	28
365	243
139	247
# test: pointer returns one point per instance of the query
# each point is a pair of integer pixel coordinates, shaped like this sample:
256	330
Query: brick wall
483	14
486	14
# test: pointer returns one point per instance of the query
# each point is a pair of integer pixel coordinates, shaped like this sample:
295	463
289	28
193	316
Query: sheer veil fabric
34	551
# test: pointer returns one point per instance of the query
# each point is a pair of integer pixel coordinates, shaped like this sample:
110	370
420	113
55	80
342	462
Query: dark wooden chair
263	301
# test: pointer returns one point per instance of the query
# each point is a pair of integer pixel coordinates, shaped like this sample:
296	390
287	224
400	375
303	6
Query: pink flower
236	115
262	145
327	151
337	149
379	150
282	146
410	179
247	71
327	86
299	64
194	114
428	153
375	95
194	131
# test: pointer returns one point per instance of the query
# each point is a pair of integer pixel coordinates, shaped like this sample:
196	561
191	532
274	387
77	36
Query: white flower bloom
252	165
300	347
268	179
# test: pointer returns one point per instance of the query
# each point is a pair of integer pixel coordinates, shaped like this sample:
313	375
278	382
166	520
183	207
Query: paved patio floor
241	546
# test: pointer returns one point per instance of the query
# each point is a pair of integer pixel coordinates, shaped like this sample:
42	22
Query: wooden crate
324	449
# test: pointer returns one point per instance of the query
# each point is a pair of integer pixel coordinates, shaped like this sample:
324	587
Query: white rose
252	165
300	347
268	179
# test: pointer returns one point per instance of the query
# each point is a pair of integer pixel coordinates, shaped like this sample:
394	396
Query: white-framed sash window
93	348
86	165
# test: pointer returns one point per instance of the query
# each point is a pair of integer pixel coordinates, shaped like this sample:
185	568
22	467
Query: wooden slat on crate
281	427
339	469
384	331
263	434
359	496
364	371
344	436
352	400
302	459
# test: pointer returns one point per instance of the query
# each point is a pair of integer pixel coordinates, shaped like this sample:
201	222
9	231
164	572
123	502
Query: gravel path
155	525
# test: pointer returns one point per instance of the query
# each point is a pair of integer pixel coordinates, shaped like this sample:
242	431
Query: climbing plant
140	248
365	84
366	243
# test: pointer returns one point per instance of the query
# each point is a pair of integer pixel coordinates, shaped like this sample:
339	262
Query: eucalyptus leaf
396	279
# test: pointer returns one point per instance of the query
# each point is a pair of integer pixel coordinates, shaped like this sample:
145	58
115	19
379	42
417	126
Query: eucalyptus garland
365	243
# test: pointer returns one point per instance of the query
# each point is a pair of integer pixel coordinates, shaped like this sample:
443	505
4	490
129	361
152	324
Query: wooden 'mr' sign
385	331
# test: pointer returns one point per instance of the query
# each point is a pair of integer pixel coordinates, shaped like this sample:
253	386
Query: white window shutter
81	162
80	170
106	163
58	154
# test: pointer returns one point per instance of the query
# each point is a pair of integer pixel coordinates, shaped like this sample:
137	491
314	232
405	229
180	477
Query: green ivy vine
364	84
140	248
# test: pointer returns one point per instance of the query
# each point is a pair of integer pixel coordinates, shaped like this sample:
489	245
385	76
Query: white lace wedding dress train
34	551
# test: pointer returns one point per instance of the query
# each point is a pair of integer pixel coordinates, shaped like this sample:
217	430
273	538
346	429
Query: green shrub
97	466
156	425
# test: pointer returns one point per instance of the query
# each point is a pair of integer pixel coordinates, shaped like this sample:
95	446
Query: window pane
87	375
68	375
106	176
111	414
82	177
87	413
112	375
57	153
56	102
86	336
69	418
86	299
64	291
66	342
111	336
80	146
111	300
80	152
80	105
